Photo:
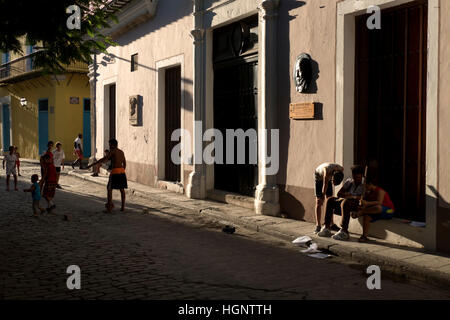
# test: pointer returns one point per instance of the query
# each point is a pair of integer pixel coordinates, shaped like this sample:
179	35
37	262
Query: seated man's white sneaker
341	235
325	232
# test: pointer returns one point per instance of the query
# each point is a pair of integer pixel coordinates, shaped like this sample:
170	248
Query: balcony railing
24	68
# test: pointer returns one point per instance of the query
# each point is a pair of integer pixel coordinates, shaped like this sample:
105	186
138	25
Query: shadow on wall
442	221
312	89
110	58
403	229
166	14
290	205
25	134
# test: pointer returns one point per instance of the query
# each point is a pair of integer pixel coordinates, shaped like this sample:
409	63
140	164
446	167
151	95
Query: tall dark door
87	127
235	56
235	107
112	111
390	103
173	120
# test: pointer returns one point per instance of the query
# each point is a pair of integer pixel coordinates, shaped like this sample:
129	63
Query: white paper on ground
302	240
313	248
418	224
319	255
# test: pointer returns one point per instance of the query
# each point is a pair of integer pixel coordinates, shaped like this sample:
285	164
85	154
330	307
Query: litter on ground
319	255
418	224
302	241
313	248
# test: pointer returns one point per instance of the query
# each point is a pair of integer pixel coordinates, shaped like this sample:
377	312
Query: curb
405	270
32	161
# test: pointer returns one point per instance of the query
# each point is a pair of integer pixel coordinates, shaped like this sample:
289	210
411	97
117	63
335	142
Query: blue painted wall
43	125
6	127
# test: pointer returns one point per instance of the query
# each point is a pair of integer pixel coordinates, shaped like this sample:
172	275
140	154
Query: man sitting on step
347	200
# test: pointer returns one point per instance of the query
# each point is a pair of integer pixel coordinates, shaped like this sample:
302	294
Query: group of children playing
51	163
356	198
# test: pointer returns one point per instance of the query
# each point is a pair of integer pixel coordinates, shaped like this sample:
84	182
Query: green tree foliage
43	23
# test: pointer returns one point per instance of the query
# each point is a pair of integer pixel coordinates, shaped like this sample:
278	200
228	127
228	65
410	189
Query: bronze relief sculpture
303	73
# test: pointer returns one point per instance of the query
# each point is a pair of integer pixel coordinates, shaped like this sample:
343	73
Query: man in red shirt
49	153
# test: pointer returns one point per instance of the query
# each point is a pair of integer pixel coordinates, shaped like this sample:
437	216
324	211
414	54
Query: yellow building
38	107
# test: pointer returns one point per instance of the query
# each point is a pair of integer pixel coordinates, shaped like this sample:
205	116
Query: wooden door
112	111
390	103
235	107
172	119
235	58
87	127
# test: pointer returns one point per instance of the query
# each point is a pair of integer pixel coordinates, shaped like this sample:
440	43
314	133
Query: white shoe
341	235
325	232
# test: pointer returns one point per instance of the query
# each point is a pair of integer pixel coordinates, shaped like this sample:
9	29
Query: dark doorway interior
390	104
112	111
235	99
172	119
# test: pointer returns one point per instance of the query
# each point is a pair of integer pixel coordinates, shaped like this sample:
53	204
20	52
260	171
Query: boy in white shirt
10	160
58	161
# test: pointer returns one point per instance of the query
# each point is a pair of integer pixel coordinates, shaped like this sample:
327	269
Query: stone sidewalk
407	262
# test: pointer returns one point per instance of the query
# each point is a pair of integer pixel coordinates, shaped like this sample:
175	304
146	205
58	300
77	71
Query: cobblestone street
154	251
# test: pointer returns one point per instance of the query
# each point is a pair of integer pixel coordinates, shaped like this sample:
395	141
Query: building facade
373	95
39	107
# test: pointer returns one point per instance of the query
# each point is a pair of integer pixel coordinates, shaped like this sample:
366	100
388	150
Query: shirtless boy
326	175
117	177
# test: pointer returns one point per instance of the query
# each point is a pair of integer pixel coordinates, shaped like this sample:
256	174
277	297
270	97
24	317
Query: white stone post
196	187
93	95
267	191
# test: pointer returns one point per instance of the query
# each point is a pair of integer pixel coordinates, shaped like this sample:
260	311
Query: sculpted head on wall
134	101
303	72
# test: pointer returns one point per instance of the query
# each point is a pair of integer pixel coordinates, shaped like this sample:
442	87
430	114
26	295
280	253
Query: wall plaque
134	112
301	110
74	100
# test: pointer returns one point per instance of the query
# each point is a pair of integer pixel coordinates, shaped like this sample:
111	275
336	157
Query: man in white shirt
347	200
10	160
78	150
58	161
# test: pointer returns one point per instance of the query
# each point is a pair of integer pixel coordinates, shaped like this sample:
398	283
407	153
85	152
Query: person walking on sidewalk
347	200
117	177
58	161
78	151
10	160
326	175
